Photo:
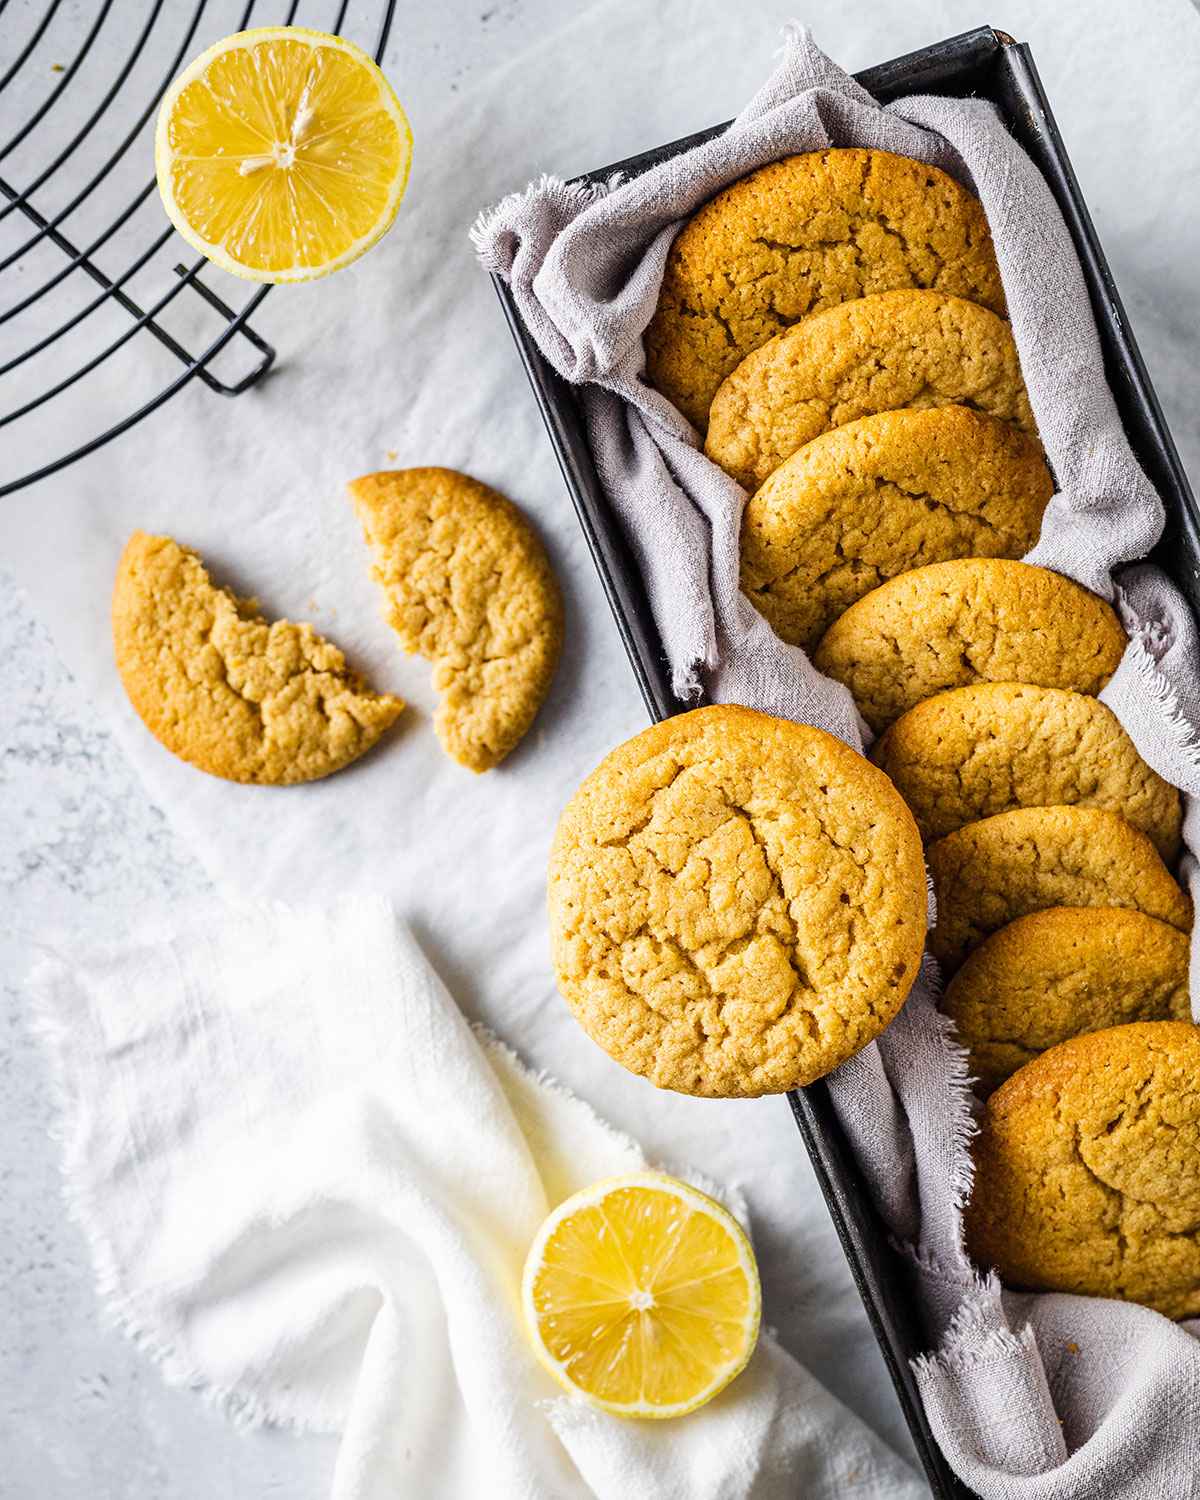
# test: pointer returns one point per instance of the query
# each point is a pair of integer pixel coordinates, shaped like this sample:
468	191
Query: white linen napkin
309	1187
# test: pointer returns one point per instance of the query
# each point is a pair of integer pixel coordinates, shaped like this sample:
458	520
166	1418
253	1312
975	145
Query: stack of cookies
833	325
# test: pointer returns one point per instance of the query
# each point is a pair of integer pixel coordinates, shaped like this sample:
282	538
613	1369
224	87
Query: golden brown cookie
224	689
974	620
880	496
1087	1170
1059	973
989	873
975	751
737	903
469	586
916	349
800	235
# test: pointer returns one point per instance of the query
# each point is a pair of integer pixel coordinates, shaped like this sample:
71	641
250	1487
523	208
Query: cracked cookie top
468	585
950	624
737	903
1062	972
911	349
986	874
800	235
880	496
1087	1169
224	689
979	750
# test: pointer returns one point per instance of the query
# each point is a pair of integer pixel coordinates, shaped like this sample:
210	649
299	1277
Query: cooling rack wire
100	311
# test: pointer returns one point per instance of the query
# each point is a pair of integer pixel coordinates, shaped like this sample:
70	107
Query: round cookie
470	587
916	349
880	496
737	903
991	872
800	235
1087	1170
973	620
979	750
230	693
1060	973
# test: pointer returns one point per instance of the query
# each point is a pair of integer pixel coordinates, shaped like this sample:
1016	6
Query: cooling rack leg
266	350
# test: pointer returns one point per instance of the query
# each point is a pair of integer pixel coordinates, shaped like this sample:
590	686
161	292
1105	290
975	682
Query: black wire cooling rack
79	210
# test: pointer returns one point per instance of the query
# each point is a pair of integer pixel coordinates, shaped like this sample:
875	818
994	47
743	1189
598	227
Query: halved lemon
282	153
642	1296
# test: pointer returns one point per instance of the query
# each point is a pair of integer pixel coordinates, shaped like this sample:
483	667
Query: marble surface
82	849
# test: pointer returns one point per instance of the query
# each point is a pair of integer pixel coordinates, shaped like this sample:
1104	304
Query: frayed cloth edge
1182	732
118	1309
960	1081
491	223
492	1045
967	1343
726	1194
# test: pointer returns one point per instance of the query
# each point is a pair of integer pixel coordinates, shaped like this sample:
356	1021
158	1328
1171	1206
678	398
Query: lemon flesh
282	153
642	1296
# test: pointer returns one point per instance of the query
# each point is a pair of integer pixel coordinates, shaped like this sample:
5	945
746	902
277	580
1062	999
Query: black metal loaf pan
991	65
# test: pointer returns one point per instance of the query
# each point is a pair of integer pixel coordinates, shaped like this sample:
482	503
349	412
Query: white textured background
82	848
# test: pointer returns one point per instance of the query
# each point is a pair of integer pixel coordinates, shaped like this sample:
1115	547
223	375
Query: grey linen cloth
1031	1397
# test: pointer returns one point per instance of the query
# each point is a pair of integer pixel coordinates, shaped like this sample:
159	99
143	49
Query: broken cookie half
469	586
234	694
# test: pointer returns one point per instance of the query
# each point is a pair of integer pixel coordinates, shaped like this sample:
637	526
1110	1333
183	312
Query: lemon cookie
1059	973
991	872
469	586
1087	1170
880	496
226	690
951	624
915	349
800	235
979	750
737	903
